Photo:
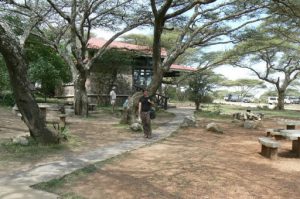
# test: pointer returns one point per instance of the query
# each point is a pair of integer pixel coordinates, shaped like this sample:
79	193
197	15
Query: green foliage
4	77
201	85
265	95
245	86
114	61
64	133
45	73
168	42
45	66
7	98
138	39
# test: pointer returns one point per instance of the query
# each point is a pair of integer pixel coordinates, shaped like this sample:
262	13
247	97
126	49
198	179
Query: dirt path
196	163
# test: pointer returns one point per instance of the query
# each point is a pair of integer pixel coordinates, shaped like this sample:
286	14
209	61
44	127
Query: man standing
113	97
144	113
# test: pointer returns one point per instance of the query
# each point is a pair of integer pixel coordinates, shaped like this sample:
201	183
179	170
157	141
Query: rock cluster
247	116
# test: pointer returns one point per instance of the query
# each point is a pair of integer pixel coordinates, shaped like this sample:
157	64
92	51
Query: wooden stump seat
269	147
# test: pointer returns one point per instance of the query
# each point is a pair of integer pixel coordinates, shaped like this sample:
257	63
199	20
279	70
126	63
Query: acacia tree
244	86
206	26
67	27
168	40
270	59
201	85
199	24
12	50
285	19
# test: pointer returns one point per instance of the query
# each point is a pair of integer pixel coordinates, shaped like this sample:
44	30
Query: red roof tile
175	67
96	43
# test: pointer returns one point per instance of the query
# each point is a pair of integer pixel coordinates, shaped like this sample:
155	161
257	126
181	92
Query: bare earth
99	130
196	163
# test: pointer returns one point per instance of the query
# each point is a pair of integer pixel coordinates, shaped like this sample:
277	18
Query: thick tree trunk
80	95
280	105
17	68
133	108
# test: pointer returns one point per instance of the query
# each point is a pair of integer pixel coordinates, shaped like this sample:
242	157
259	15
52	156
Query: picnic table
290	124
294	136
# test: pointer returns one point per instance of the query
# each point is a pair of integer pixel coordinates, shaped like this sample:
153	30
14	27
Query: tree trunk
80	95
280	105
17	68
197	104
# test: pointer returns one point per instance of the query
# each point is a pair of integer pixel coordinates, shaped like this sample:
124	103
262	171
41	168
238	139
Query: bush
7	99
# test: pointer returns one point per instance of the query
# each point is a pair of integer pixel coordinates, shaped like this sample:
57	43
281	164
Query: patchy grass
53	186
58	185
33	151
50	100
211	115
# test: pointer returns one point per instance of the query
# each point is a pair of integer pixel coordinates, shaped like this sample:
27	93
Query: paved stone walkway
16	185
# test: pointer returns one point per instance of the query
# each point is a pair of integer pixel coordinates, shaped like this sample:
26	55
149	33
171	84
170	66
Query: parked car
293	99
272	100
248	100
233	98
287	101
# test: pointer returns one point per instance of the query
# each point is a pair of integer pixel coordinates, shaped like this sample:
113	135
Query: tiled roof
96	43
175	67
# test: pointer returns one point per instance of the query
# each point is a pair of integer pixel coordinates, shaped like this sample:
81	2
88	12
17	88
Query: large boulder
136	127
188	121
214	128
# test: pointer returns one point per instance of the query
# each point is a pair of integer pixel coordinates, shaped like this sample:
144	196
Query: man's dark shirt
146	106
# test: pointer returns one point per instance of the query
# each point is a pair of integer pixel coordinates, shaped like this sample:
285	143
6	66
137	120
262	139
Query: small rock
136	127
214	128
188	121
20	140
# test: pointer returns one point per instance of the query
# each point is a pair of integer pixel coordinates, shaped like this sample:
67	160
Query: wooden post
269	152
290	127
298	147
62	119
166	103
295	145
43	112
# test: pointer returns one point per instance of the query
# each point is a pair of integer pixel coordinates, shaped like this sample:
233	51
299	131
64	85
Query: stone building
138	75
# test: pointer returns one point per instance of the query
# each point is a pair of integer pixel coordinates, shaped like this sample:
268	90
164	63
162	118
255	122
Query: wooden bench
288	134
58	124
269	147
275	133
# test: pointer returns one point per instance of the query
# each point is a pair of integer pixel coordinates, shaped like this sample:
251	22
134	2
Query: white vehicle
272	100
248	99
287	101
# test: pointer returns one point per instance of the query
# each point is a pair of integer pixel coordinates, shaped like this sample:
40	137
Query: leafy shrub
7	99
